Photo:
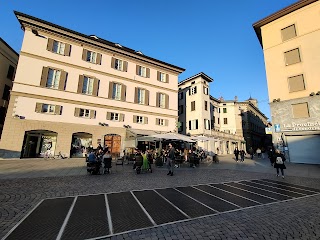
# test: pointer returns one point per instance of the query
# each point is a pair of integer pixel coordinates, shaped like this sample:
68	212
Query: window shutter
145	120
167	101
166	122
195	89
136	95
146	97
84	54
125	66
167	78
137	69
135	119
110	90
158	75
92	114
38	107
292	56
157	121
80	83
123	92
77	112
113	62
67	49
205	126
300	110
96	87
63	79
57	110
197	124
99	56
44	77
288	32
50	45
108	115
189	125
158	100
296	83
121	117
148	73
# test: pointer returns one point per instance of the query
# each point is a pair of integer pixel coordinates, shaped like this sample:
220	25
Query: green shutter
108	115
123	92
67	49
44	77
57	110
63	78
38	107
136	95
125	66
148	73
113	62
50	45
110	90
95	87
77	112
80	84
84	54
99	56
147	97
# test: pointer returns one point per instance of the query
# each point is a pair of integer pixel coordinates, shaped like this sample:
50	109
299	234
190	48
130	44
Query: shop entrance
113	142
39	143
80	143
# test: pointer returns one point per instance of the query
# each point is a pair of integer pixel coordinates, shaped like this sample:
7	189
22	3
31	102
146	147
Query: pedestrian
270	155
242	154
236	154
170	159
279	159
258	152
251	152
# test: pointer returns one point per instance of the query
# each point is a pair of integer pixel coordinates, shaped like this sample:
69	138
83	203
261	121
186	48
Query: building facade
8	65
290	39
73	91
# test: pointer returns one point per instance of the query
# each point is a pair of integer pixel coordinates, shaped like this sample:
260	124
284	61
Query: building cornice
201	74
281	13
26	20
10	48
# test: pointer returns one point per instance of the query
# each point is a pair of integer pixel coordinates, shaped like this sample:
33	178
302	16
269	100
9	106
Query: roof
283	12
33	21
201	74
5	43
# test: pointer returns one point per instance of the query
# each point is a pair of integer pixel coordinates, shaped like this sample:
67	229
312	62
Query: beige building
8	65
73	91
290	39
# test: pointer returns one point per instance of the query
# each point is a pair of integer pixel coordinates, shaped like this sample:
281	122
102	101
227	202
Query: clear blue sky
210	36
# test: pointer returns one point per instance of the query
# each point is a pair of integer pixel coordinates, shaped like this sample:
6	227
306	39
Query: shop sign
268	130
308	126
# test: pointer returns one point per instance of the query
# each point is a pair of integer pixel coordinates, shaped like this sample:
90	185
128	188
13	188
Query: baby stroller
93	167
142	164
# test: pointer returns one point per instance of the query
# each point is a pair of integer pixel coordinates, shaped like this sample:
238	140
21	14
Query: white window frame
206	90
92	57
162	100
141	96
162	122
116	91
58	47
207	124
142	71
87	87
140	119
48	108
115	117
193	90
193	124
162	77
85	113
118	64
53	78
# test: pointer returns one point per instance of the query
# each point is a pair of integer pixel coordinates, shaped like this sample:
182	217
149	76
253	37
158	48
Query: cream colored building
8	65
290	39
73	91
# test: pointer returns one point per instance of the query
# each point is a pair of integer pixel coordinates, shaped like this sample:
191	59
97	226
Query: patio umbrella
171	136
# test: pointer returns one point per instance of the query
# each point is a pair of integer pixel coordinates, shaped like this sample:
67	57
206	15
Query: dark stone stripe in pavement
210	201
186	204
260	191
242	202
44	222
159	209
88	219
293	185
126	214
276	190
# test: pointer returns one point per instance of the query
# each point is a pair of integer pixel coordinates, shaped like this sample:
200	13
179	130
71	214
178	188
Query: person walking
251	152
170	159
236	154
258	152
279	159
242	154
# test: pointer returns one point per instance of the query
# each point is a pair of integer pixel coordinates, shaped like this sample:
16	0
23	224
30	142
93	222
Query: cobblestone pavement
293	219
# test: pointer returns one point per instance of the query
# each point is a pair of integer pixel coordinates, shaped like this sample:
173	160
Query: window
225	121
205	90
193	124
84	113
143	71
48	108
116	92
296	83
53	78
180	109
119	117
292	57
114	117
300	110
91	56
224	110
10	74
141	96
218	120
206	124
219	110
162	100
119	64
58	47
162	77
161	122
288	32
205	105
6	93
140	119
193	106
193	90
180	95
87	87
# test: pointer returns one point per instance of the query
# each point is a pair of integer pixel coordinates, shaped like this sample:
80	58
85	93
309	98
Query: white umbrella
167	136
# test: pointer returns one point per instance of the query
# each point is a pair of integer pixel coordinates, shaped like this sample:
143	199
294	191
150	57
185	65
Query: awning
139	132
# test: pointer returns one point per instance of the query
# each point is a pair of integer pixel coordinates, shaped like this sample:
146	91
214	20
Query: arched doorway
80	143
113	142
39	143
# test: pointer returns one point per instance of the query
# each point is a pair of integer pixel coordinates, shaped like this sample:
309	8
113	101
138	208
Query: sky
211	36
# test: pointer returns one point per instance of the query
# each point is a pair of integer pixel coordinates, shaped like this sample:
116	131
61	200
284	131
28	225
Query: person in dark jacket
236	154
170	159
278	160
